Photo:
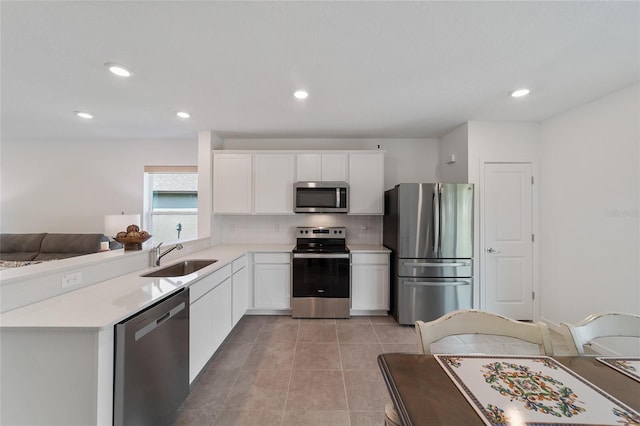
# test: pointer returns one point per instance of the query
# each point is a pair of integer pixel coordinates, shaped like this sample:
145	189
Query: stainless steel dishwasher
151	375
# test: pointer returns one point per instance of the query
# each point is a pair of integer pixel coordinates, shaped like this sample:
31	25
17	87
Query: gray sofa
45	246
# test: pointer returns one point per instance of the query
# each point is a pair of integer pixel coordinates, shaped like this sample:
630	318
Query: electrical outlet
277	227
232	227
71	279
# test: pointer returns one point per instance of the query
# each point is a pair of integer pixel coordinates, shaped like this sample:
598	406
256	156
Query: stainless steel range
321	276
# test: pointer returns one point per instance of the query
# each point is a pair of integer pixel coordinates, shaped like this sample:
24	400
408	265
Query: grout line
286	398
344	382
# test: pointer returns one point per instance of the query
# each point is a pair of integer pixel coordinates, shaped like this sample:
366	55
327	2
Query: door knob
490	250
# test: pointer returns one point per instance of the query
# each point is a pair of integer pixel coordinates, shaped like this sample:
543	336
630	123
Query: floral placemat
625	365
512	390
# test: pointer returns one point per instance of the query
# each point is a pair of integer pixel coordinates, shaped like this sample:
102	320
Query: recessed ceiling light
82	114
301	94
183	114
118	70
520	93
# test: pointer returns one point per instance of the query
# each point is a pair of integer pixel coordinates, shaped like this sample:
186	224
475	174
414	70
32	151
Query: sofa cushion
62	246
20	247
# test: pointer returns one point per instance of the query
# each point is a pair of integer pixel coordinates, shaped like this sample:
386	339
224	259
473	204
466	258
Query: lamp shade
114	223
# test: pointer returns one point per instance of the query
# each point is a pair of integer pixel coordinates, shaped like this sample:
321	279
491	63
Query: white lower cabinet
240	289
200	334
210	317
221	313
271	281
370	282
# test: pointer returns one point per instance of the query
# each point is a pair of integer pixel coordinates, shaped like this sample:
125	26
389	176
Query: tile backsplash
281	229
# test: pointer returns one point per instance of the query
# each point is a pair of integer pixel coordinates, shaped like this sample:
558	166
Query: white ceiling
372	69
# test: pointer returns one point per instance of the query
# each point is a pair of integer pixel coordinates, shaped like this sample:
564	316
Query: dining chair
604	324
472	321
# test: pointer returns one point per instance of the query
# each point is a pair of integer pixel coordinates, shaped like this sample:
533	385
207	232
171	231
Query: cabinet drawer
238	264
272	257
201	287
369	258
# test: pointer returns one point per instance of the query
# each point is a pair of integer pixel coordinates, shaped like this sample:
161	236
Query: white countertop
368	248
104	304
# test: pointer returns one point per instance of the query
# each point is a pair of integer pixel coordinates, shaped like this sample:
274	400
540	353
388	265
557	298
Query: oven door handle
321	256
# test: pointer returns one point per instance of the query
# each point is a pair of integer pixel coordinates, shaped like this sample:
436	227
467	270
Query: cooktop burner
321	240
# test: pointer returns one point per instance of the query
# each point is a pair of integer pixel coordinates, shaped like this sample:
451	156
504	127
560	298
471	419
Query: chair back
472	321
604	324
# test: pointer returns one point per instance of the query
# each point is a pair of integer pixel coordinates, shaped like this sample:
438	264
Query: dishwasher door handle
158	322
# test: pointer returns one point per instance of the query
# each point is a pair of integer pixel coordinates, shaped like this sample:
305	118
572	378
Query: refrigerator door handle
437	283
438	264
436	218
440	219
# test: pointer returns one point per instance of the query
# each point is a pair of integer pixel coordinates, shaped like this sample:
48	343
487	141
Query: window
171	202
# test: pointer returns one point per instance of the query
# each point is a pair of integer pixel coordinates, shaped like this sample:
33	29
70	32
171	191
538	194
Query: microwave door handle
337	197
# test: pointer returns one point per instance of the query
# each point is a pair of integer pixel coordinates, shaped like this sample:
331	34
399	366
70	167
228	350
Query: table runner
626	365
532	390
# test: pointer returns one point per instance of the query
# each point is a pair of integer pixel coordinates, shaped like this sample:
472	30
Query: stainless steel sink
180	269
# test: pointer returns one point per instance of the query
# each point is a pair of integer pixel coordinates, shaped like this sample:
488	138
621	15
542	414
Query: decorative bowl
132	243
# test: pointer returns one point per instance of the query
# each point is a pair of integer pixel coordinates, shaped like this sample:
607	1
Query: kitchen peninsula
59	351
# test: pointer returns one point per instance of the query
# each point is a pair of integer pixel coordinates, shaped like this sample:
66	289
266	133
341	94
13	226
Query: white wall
498	142
454	143
53	186
589	209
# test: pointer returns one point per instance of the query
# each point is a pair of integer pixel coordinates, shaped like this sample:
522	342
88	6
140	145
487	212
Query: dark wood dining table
424	394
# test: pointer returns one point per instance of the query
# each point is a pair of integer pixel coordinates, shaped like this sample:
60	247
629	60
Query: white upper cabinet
261	182
232	183
321	167
308	167
366	183
273	183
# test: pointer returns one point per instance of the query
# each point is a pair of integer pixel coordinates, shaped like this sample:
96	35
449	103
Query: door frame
479	247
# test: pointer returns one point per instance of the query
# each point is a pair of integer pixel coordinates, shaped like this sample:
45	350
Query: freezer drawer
426	299
446	268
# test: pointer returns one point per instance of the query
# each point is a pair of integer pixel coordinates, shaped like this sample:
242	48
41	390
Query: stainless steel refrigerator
429	229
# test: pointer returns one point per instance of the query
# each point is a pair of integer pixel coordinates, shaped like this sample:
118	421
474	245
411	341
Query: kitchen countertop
364	248
104	304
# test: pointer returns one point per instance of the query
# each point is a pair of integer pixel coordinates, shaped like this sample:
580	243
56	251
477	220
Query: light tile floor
276	370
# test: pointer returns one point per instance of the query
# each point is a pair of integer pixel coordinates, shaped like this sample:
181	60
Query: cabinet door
308	167
200	334
274	177
334	167
366	183
321	167
221	313
271	286
240	296
370	287
232	183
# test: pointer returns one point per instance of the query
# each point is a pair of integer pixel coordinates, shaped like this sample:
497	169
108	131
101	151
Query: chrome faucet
158	255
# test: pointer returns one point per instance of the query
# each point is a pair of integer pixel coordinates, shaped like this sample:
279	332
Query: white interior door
507	258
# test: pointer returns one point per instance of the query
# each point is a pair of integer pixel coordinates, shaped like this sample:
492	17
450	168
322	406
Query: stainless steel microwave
321	197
